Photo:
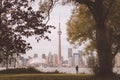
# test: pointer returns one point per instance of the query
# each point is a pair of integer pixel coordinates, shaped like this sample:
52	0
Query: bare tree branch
53	2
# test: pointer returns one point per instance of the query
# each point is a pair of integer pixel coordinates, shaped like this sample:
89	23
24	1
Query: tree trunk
104	50
103	41
7	63
15	63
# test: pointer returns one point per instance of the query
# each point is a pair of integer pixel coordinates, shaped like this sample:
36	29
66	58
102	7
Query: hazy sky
45	46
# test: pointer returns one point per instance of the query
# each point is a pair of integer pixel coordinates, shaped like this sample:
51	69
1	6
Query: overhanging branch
87	2
53	2
109	8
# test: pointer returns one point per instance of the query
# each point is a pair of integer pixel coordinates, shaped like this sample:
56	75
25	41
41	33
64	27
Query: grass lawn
45	77
49	77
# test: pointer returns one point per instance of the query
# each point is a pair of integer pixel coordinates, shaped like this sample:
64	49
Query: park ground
47	77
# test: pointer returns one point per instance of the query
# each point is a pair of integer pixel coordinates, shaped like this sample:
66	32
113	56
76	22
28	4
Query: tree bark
103	42
104	50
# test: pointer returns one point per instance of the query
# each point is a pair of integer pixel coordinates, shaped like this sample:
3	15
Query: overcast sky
45	46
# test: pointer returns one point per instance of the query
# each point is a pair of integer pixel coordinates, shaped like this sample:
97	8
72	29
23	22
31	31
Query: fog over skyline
45	46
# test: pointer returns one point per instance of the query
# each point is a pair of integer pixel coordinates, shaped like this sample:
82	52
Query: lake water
69	70
73	70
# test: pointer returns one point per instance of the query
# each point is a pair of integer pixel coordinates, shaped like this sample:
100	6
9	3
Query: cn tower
59	45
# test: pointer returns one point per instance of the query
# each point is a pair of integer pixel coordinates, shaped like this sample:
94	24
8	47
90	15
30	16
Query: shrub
20	71
56	71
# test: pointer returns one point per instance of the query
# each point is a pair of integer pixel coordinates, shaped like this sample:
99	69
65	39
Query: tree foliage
17	19
81	27
47	6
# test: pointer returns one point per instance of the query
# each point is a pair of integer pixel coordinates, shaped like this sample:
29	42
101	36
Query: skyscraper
59	45
70	57
35	55
50	60
43	56
55	60
81	60
76	59
69	52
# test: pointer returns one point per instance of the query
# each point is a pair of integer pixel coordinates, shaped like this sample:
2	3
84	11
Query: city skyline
45	46
72	39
